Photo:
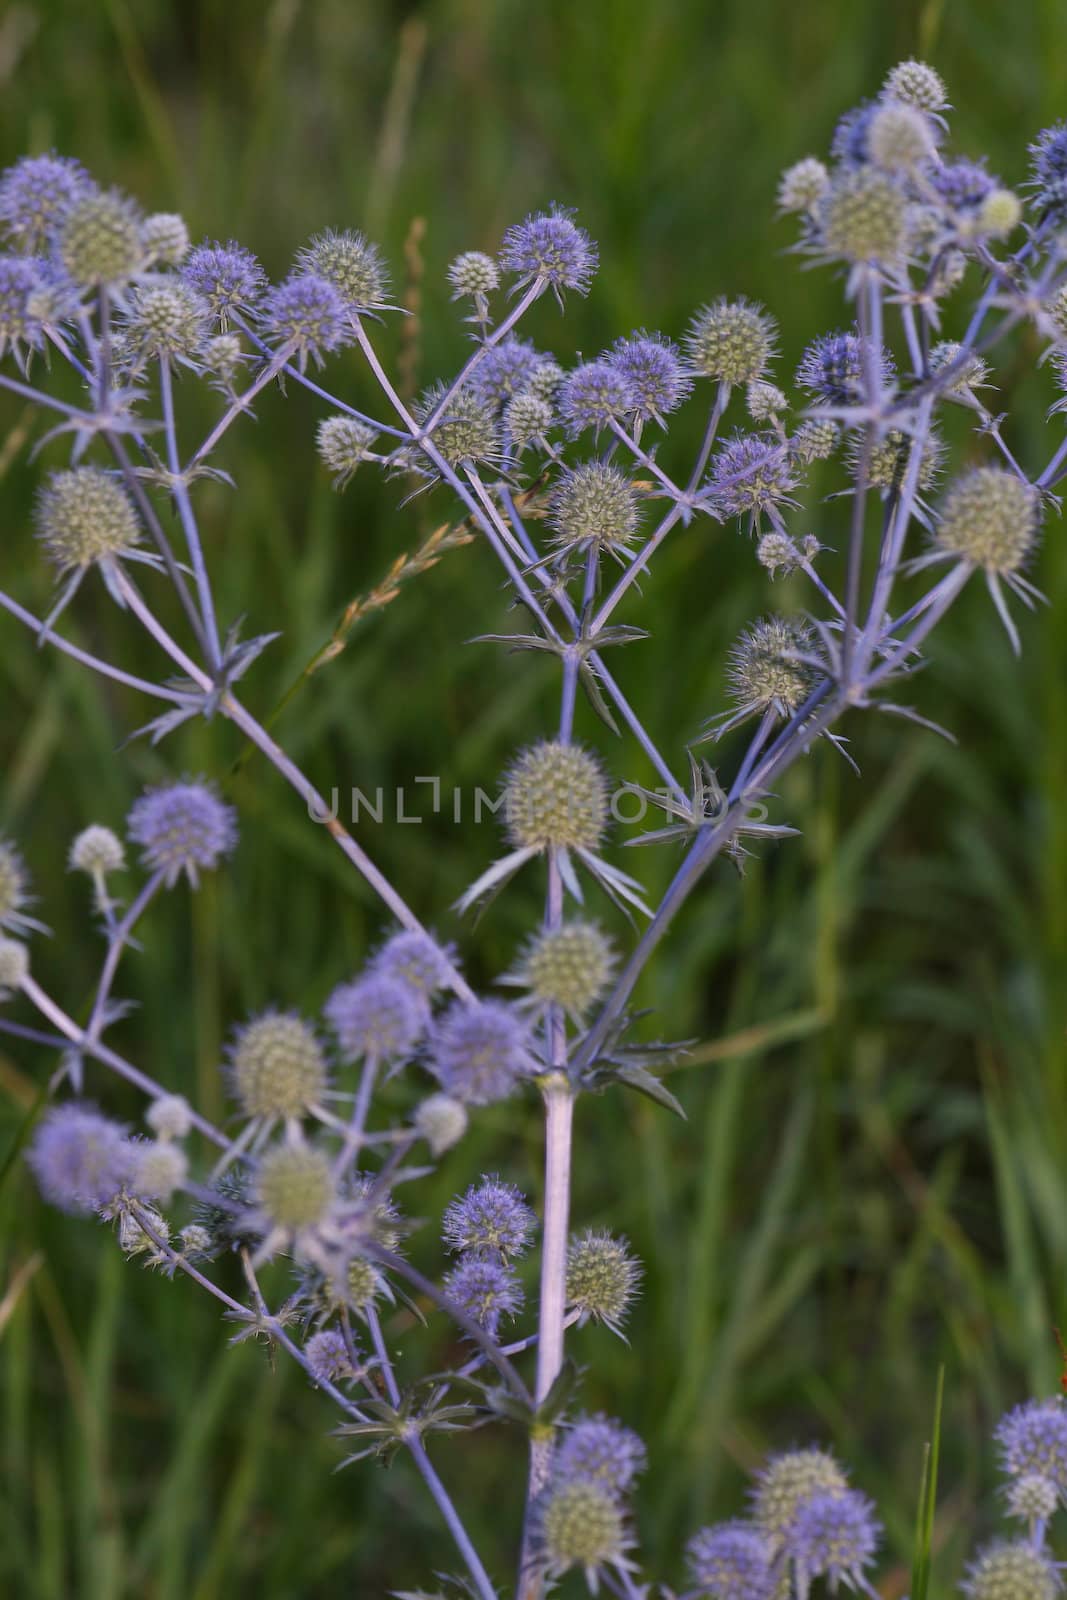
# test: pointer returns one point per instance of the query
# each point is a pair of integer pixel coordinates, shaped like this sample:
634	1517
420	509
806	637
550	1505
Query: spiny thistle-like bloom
764	401
165	238
376	1016
555	797
480	1052
803	185
491	1219
593	505
834	1535
652	366
467	432
14	886
1033	1497
603	1278
356	1286
33	195
352	264
18	327
98	239
599	1450
546	378
863	217
342	443
277	1066
133	1233
971	371
227	276
14	965
486	1290
1000	214
778	550
769	666
592	396
962	185
505	371
294	1188
157	1169
569	966
580	1523
1048	164
732	1561
731	341
1033	1439
899	137
832	368
527	420
474	275
749	473
166	318
1016	1570
327	1356
887	463
307	314
550	247
182	827
223	356
169	1116
786	1483
415	958
816	439
990	518
84	515
97	851
916	84
441	1121
80	1159
849	143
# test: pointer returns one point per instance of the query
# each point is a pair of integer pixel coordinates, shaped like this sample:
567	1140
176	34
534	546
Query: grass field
872	1180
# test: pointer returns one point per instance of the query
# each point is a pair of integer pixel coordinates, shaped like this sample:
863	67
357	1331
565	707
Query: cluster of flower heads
581	1515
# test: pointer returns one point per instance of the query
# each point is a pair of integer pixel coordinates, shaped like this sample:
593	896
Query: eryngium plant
565	477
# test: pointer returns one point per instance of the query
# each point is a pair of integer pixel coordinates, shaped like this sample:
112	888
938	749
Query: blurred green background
871	1179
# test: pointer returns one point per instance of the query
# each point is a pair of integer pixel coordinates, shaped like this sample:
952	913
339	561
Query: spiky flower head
549	247
158	1167
491	1219
580	1523
473	275
803	185
527	420
1033	1497
18	284
777	550
416	959
166	318
486	1290
342	443
990	518
182	827
468	431
277	1066
14	885
294	1187
592	396
888	460
832	368
599	1450
834	1535
653	368
1000	214
963	185
769	669
79	1158
441	1121
732	1561
971	372
223	355
505	370
84	515
1033	1439
227	276
899	137
555	797
97	851
764	401
815	439
916	84
169	1116
356	1286
731	341
593	505
377	1017
749	473
98	239
786	1483
1013	1570
306	314
1048	163
863	217
165	238
480	1051
546	378
34	193
569	966
14	965
327	1356
603	1278
351	263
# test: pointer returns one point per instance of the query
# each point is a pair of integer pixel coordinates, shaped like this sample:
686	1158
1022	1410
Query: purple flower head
351	263
592	395
307	313
602	1450
832	368
182	827
491	1219
33	195
1048	156
849	143
486	1290
653	369
479	1052
505	371
963	185
376	1016
18	326
834	1535
79	1158
750	472
416	958
732	1561
1013	1567
551	247
1033	1439
327	1356
227	276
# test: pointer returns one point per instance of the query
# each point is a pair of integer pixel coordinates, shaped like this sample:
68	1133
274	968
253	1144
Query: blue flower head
34	193
227	276
834	1535
732	1561
592	396
486	1290
376	1016
182	827
480	1052
80	1158
492	1219
831	368
306	313
551	248
652	367
600	1450
1033	1439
